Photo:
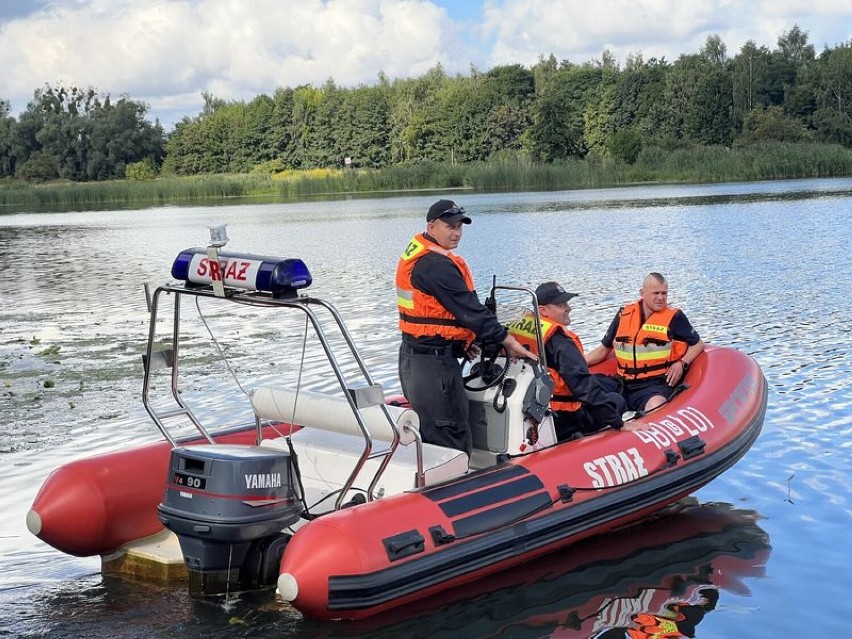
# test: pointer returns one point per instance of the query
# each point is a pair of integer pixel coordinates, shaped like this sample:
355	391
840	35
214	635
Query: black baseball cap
448	211
552	293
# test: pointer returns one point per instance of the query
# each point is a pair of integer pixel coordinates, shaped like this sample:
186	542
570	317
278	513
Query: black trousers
587	420
570	425
432	382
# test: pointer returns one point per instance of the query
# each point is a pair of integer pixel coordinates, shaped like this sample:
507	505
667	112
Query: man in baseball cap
582	402
440	317
552	293
448	211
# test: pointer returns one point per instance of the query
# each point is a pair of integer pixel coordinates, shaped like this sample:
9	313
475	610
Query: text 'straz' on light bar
281	277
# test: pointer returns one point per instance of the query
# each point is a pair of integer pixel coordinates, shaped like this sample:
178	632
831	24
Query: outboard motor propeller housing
228	505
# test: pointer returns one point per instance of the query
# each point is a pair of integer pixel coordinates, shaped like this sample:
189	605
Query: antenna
491	300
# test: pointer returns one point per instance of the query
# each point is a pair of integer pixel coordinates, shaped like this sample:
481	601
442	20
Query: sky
166	53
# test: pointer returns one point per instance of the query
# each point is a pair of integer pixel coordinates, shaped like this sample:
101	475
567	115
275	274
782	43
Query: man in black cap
440	316
582	402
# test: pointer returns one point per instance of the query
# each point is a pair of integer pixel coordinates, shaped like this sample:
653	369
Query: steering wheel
487	369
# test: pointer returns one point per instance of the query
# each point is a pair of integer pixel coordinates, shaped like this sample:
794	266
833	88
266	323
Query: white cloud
163	51
167	52
580	31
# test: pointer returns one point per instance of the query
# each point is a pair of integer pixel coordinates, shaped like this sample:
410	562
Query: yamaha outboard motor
228	505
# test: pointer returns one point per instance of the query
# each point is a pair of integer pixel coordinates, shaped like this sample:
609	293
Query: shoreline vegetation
707	117
696	165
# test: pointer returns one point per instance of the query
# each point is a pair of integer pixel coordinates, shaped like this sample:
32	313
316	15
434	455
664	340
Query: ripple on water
767	276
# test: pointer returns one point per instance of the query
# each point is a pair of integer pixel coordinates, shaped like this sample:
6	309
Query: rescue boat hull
93	506
599	581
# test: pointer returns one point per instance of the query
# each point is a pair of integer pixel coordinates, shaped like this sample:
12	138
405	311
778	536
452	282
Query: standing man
654	346
581	404
440	315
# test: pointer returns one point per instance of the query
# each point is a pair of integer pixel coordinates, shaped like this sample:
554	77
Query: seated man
654	345
581	403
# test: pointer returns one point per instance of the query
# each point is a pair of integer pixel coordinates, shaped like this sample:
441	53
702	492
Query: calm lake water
763	551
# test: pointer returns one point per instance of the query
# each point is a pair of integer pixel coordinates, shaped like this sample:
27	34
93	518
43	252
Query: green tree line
75	134
553	112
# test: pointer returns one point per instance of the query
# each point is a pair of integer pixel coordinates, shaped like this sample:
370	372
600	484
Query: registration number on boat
189	481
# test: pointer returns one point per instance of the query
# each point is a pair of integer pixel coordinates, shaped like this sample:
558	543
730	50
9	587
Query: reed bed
512	173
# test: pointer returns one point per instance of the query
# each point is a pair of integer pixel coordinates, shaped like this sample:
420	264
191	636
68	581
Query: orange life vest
524	331
421	314
645	349
650	626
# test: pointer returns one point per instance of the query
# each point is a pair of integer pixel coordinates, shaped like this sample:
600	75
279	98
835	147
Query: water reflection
760	267
673	569
104	608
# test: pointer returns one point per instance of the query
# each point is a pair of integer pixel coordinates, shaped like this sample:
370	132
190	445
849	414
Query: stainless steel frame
305	304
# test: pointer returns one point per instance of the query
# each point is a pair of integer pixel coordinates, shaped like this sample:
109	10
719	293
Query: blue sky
462	11
166	53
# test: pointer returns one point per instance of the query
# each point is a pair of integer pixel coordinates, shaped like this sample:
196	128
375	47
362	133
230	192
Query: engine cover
220	498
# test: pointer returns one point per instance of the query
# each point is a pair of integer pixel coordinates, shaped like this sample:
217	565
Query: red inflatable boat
333	497
684	556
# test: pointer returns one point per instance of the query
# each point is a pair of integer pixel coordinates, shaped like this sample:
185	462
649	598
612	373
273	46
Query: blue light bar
241	270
